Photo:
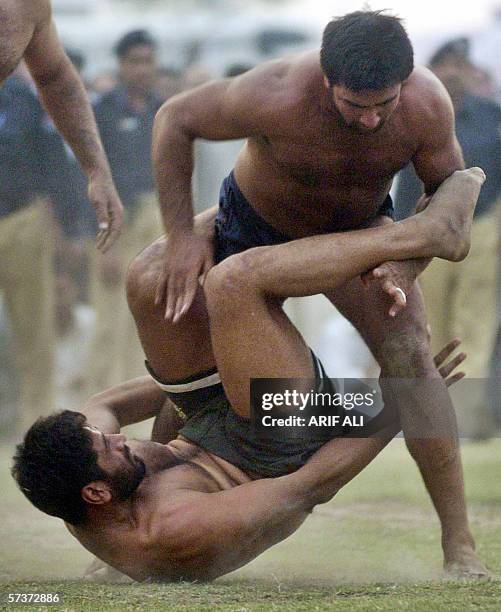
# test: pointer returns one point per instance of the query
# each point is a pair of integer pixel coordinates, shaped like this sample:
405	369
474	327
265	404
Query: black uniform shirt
126	136
21	158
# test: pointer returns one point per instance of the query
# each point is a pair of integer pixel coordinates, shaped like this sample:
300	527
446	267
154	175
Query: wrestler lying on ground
202	509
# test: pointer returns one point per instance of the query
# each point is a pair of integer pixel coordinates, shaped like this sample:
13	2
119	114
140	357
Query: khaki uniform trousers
27	285
116	354
461	300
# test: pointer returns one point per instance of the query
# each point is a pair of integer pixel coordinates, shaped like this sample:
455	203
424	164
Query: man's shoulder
425	100
286	83
171	539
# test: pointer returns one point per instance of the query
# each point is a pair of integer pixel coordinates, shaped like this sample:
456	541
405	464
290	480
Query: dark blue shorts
239	227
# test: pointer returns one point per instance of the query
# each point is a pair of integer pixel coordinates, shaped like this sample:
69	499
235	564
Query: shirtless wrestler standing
325	137
27	32
200	506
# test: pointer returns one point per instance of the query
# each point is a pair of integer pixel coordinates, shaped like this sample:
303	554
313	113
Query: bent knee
231	280
142	277
407	353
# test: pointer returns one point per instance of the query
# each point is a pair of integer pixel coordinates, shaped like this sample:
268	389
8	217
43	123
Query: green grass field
376	546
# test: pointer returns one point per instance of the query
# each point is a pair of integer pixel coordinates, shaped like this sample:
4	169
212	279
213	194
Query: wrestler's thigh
173	351
399	344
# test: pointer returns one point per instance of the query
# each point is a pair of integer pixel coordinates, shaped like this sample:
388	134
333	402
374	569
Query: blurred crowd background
65	330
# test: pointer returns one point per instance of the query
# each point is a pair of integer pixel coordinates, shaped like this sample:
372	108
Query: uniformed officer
26	246
125	119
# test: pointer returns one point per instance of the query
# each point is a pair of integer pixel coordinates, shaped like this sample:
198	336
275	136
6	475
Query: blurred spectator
168	83
26	246
461	299
125	119
74	324
196	74
9	385
454	57
102	84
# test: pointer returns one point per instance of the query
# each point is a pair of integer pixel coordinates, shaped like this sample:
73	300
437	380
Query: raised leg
252	337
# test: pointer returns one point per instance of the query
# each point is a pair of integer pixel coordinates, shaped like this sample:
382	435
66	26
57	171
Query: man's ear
326	82
97	492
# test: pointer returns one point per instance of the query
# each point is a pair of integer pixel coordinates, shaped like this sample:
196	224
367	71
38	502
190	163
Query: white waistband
201	383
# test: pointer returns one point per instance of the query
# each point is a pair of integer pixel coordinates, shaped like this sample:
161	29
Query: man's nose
370	120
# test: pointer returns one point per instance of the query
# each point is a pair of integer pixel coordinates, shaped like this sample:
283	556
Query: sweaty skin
27	32
314	156
302	168
183	522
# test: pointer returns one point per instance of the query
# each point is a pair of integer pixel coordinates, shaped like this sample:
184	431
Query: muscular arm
439	153
210	534
220	110
132	402
64	96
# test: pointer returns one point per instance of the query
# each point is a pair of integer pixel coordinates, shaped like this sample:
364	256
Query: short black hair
457	49
366	50
132	39
54	462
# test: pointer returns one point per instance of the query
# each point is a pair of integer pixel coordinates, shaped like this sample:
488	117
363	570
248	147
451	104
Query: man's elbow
172	121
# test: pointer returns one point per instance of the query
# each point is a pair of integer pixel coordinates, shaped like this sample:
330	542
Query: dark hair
366	50
54	462
133	39
456	49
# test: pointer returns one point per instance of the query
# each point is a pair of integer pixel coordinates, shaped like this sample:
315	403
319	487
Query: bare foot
465	565
449	213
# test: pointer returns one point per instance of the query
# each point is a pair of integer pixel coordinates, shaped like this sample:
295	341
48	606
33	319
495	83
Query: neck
111	515
138	97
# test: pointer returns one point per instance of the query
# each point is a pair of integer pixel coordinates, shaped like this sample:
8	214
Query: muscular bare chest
16	30
321	159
